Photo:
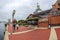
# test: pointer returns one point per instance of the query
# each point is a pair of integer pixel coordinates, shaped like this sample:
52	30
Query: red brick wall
43	24
55	19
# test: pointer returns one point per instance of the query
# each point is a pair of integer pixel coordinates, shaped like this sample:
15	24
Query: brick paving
58	33
53	35
38	34
20	29
9	28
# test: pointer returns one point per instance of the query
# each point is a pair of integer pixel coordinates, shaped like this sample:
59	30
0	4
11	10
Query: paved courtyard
24	33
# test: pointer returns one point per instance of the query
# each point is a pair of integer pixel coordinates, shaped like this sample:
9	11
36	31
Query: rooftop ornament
38	8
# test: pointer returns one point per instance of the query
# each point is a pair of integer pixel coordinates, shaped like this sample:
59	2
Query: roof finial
38	7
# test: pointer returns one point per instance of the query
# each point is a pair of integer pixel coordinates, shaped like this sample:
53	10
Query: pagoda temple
37	14
46	18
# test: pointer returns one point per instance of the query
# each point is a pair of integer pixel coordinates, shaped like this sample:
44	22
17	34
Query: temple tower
37	9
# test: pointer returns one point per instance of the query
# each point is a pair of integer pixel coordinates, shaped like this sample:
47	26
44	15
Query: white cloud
23	7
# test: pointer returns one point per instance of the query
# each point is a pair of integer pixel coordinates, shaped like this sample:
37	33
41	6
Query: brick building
48	17
37	14
53	17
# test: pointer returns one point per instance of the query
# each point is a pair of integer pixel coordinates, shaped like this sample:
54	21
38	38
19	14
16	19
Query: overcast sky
23	8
